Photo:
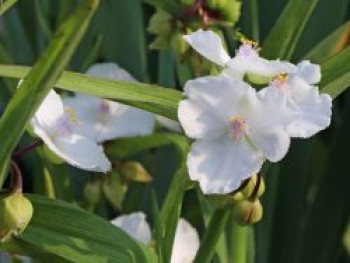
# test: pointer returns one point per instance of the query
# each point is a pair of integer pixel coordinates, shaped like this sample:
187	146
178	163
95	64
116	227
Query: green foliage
306	200
74	235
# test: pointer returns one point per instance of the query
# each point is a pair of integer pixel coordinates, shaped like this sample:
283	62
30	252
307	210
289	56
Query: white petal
110	71
225	97
209	45
221	165
315	109
135	225
198	121
267	127
169	124
49	111
83	153
76	150
310	73
274	143
186	243
124	121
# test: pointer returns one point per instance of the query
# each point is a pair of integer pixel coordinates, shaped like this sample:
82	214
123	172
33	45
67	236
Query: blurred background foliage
306	204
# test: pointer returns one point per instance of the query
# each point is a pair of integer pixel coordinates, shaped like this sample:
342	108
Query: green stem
238	240
171	210
211	236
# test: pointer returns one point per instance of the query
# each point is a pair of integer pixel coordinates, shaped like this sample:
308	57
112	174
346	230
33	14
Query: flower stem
17	178
238	241
171	210
211	236
27	148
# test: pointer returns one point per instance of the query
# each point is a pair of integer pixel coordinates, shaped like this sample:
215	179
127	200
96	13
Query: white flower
105	119
57	127
135	225
314	109
246	61
234	128
186	242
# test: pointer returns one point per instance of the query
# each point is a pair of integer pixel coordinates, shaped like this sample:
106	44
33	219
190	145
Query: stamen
71	115
237	126
280	82
248	48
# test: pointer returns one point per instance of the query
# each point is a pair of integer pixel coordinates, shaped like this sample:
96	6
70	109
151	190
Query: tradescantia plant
161	131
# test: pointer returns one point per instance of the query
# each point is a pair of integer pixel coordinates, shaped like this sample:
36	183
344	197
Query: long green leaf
73	234
149	97
7	4
336	74
331	45
282	40
42	78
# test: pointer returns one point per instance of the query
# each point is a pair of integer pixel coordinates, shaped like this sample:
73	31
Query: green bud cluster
16	211
247	208
113	187
169	28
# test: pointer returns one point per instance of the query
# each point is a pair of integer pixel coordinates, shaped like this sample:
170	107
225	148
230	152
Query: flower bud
114	189
178	44
134	171
92	191
160	24
216	4
232	11
248	212
16	212
249	189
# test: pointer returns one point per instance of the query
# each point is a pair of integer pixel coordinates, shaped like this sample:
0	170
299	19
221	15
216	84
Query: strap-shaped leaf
42	78
6	5
149	97
336	74
331	45
284	36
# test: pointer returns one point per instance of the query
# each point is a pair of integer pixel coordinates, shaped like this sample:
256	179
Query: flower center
66	123
280	82
237	126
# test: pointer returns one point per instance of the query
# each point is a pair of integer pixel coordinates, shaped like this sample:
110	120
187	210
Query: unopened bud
248	212
216	4
178	44
250	188
92	191
114	189
135	171
16	211
160	23
232	11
